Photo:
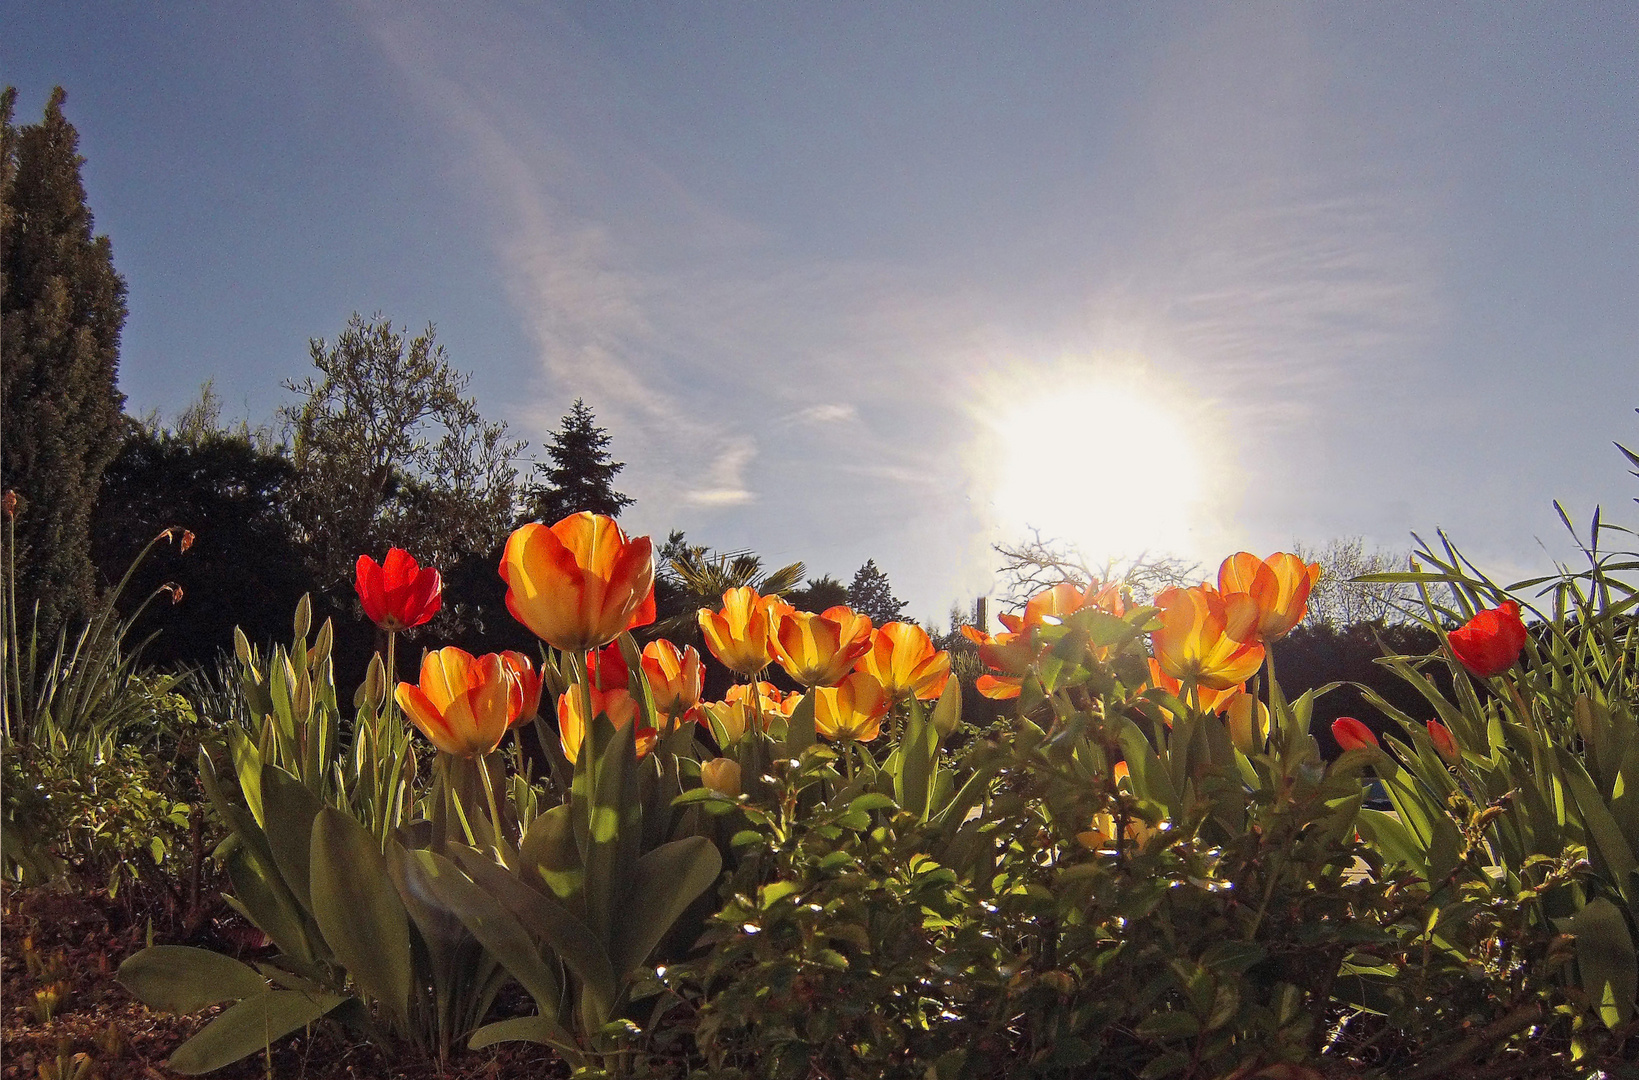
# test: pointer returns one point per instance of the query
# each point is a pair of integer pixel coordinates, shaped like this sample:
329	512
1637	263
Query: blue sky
836	275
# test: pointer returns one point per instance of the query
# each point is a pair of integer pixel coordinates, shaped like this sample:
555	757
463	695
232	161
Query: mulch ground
58	999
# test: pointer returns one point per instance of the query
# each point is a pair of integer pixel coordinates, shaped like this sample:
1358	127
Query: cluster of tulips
581	583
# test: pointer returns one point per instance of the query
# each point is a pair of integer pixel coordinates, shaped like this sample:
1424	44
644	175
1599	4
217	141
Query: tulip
463	704
1351	734
1248	721
728	720
904	661
1121	772
853	709
1193	644
1066	598
1265	598
579	584
529	684
741	634
675	678
1445	744
1010	652
1212	701
606	669
721	775
397	594
618	705
818	650
1102	833
1490	642
771	701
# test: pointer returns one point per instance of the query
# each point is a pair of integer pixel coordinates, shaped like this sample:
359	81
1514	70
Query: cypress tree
870	593
581	475
62	308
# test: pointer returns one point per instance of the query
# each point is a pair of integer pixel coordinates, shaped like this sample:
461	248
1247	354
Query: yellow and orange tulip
618	705
1248	721
1213	701
902	658
1265	598
741	635
580	583
818	650
674	675
851	710
771	700
1193	644
463	704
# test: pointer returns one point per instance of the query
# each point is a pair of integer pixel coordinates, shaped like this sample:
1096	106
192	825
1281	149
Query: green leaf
607	813
1606	960
180	979
252	1025
359	912
535	1029
548	853
288	810
665	882
872	801
918	754
495	929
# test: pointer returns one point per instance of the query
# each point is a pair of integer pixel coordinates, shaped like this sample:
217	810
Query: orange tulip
728	721
904	661
580	583
1213	701
529	684
606	669
741	635
618	705
771	700
1351	734
1102	833
852	709
675	678
1193	644
1265	598
1445	743
464	704
1010	653
1066	598
818	650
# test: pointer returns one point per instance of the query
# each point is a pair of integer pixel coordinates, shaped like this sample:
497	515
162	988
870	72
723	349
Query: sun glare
1104	462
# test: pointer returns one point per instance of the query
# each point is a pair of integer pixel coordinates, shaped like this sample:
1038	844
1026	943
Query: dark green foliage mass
870	593
581	475
62	307
244	567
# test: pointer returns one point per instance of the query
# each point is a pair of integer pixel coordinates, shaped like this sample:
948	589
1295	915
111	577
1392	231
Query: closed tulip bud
1490	642
1248	720
529	685
722	775
1351	734
1445	744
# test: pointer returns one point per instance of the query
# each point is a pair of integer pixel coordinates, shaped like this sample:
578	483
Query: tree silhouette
871	594
62	307
581	475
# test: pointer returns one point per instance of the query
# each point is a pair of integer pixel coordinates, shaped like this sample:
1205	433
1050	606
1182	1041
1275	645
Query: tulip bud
187	539
1248	722
722	775
8	503
1445	744
1351	734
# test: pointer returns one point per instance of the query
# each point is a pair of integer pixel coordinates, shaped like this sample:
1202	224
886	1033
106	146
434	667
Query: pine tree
581	475
62	308
871	594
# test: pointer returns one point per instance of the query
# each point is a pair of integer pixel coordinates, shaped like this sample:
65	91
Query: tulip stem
494	810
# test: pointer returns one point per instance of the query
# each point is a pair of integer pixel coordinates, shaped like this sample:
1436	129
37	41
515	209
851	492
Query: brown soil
74	942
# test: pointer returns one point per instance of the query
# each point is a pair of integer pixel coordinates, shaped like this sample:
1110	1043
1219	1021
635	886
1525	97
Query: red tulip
1445	744
1351	734
399	593
1490	642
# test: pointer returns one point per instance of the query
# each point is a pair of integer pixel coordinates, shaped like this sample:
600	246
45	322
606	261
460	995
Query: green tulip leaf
288	810
252	1025
180	979
918	754
548	853
535	1029
359	912
495	928
665	882
1607	960
799	730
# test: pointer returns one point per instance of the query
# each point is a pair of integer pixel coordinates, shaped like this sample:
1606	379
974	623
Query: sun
1108	461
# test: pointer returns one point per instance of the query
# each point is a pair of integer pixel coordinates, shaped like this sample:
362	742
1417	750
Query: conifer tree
581	475
870	593
62	308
